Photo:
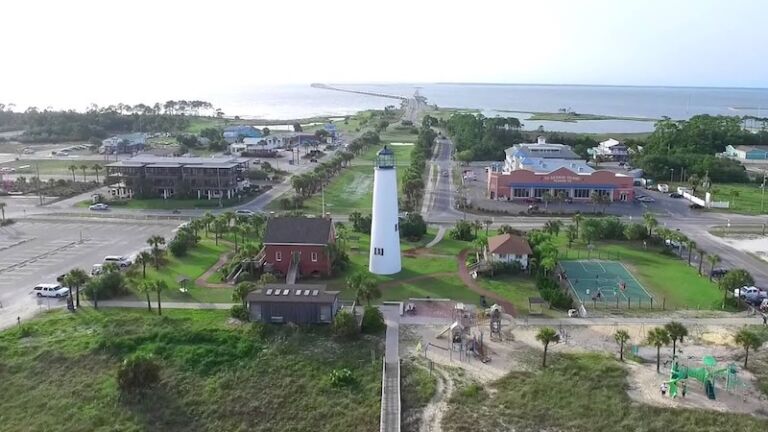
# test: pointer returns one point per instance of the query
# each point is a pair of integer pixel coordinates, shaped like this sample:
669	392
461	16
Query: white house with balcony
611	149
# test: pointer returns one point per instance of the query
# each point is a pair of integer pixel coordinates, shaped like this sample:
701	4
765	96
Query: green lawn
58	167
666	277
192	266
215	376
515	289
747	201
447	246
197	124
577	392
445	287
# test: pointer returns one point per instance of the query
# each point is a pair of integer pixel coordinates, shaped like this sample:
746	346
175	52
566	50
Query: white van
121	261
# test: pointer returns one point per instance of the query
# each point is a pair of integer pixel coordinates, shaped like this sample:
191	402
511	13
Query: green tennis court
603	281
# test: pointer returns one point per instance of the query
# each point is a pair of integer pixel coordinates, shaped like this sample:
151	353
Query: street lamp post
671	174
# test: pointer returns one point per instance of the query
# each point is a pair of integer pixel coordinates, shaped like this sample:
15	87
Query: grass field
196	124
515	289
61	370
574	117
666	277
746	202
193	265
584	392
446	287
57	167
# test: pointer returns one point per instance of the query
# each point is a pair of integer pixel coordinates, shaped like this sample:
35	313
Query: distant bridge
367	93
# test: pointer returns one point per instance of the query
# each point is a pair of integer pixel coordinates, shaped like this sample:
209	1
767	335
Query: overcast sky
56	50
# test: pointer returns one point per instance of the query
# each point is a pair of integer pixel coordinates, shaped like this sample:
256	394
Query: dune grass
61	372
584	392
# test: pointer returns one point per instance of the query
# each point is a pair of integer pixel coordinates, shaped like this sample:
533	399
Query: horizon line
512	84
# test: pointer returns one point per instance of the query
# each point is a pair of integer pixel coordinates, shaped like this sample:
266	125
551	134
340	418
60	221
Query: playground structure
464	340
707	375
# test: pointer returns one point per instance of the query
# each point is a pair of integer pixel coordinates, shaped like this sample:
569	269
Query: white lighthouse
385	231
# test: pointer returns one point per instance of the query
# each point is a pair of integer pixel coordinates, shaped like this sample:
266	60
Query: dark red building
303	240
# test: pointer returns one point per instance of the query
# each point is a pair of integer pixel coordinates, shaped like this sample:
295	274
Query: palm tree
713	260
208	219
676	332
548	264
241	291
156	241
96	168
364	286
658	337
553	227
480	244
84	167
146	287
650	222
73	168
621	337
477	225
547	335
747	339
577	218
546	197
144	258
595	199
487	224
701	259
571	234
691	245
159	286
219	227
75	278
2	209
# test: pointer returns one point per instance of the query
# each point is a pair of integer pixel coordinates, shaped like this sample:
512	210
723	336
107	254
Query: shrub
373	320
7	222
105	286
341	378
462	231
345	325
501	268
178	248
138	373
413	227
239	312
635	232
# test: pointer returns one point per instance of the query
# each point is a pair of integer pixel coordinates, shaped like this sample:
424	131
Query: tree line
99	122
413	179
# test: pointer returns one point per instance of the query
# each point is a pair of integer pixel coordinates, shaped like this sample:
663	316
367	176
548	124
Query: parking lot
33	252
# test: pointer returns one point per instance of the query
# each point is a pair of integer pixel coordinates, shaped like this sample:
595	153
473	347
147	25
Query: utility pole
39	183
322	193
762	194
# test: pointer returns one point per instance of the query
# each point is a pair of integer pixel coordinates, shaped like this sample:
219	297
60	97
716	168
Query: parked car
313	160
672	243
646	199
675	195
244	212
751	294
695	206
121	261
7	169
51	290
97	269
445	173
718	273
533	208
99	207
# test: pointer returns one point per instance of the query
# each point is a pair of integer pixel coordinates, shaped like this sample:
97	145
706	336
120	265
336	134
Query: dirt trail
432	417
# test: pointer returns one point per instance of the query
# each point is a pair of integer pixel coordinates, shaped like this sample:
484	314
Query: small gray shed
298	304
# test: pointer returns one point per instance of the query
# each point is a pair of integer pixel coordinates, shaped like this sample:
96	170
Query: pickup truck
750	294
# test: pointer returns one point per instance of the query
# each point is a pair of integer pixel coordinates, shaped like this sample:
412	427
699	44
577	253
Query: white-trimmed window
278	256
314	256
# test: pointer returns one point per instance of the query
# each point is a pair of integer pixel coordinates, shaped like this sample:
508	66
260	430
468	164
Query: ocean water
302	101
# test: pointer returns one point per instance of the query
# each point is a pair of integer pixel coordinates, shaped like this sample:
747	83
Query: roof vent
581	169
286	291
314	292
269	292
298	292
306	292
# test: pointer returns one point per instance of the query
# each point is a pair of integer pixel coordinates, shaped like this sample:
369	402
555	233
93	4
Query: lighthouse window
378	251
396	227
